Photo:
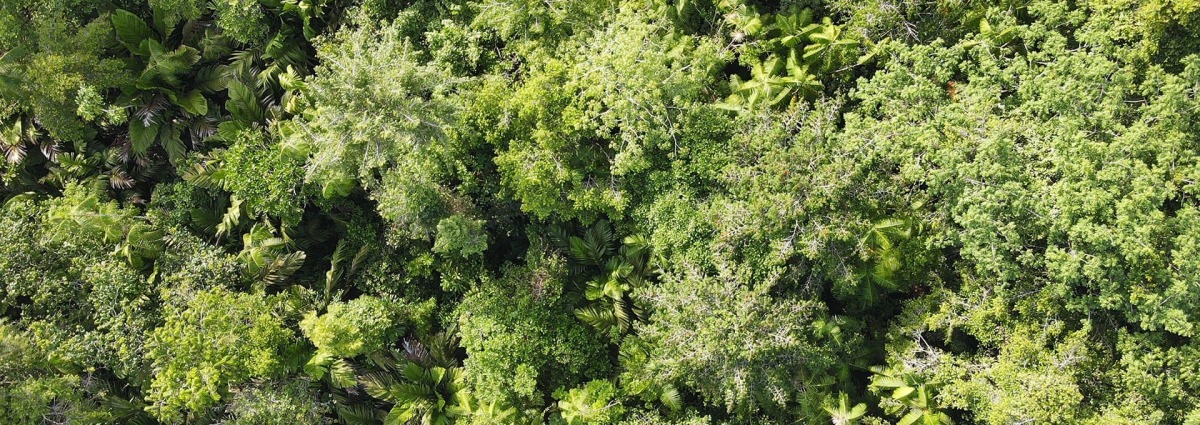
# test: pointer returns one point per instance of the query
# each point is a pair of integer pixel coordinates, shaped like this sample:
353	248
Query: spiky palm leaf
597	316
282	267
231	218
594	246
12	141
357	414
669	397
127	411
492	412
342	374
428	396
203	173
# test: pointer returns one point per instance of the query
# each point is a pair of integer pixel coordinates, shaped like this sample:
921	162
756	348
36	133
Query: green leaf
943	419
598	317
341	374
378	385
858	411
612	289
888	382
193	102
595	289
211	78
985	27
142	136
400	415
243	103
318	365
131	31
902	392
354	414
911	418
670	397
172	142
167	68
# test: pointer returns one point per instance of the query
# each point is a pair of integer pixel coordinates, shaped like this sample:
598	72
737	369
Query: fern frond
359	259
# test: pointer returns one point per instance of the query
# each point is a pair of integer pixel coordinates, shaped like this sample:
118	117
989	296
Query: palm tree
424	385
428	396
626	271
913	394
843	413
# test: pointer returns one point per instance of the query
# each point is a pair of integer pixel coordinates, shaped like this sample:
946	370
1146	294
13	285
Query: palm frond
597	316
416	352
342	374
283	267
152	112
356	414
378	384
669	396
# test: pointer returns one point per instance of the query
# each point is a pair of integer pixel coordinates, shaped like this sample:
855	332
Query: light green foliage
173	11
85	217
362	325
1066	164
266	257
371	106
533	27
429	395
375	120
189	266
29	387
265	176
221	338
655	418
33	268
123	312
842	413
493	413
569	143
521	339
788	54
727	342
243	20
92	107
594	403
275	403
461	236
93	305
45	69
908	397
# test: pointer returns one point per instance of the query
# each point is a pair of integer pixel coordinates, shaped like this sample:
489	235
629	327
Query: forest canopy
640	212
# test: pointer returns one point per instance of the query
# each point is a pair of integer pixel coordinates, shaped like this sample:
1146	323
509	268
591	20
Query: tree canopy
599	212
